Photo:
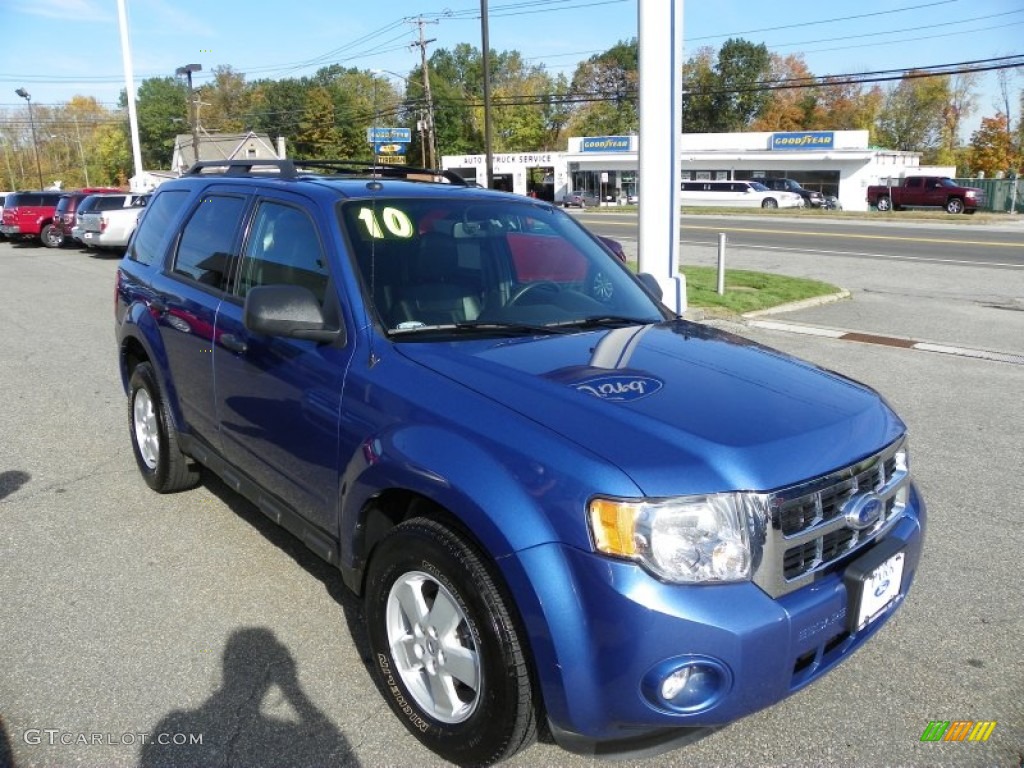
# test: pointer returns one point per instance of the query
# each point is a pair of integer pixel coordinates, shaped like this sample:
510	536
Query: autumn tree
840	105
790	106
992	147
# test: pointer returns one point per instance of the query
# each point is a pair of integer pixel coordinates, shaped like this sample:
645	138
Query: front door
279	399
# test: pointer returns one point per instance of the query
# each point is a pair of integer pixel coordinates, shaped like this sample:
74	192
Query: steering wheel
548	285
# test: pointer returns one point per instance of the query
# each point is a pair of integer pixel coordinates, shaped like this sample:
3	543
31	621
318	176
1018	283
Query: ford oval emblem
619	387
863	511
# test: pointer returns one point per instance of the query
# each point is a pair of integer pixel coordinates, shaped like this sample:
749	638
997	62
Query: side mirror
650	282
287	310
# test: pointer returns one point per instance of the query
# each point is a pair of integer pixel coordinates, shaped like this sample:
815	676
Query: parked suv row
65	214
559	502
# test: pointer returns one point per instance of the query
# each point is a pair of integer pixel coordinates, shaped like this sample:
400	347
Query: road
963	244
125	612
940	283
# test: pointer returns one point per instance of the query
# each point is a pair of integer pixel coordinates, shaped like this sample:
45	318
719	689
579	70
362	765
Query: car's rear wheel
154	439
446	650
769	202
52	236
883	203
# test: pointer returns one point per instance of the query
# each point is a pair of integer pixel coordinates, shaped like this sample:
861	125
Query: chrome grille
809	531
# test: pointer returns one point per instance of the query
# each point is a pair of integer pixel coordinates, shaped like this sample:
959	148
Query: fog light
675	683
686	684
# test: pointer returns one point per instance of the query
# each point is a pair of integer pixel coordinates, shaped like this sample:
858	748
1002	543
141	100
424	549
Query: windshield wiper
481	327
605	321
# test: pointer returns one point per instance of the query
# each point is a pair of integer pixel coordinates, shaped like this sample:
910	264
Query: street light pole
187	71
32	122
486	42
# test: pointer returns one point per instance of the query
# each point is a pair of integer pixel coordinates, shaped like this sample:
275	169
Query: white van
736	194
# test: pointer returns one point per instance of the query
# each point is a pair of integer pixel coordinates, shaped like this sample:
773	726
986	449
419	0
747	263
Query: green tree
604	89
113	155
226	102
162	114
318	136
726	92
912	115
276	107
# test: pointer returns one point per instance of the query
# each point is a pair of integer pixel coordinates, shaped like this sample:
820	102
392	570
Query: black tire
154	440
883	203
485	712
52	236
769	202
954	205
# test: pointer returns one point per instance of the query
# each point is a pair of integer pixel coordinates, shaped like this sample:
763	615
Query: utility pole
193	104
81	152
486	42
431	132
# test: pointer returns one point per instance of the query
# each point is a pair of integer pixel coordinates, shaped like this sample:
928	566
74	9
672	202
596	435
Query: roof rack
293	169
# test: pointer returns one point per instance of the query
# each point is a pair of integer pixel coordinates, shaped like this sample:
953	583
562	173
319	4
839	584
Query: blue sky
59	48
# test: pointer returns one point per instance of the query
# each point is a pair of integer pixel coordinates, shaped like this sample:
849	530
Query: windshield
455	265
757	186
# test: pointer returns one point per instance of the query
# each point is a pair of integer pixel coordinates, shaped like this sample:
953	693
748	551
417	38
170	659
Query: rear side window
155	228
206	249
108	203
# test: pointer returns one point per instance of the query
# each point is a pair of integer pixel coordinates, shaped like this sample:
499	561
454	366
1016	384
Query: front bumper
605	634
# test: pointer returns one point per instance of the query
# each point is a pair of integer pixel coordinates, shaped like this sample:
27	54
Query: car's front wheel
154	439
446	649
770	202
955	205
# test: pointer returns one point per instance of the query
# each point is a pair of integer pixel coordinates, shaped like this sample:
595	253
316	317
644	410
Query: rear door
194	286
279	399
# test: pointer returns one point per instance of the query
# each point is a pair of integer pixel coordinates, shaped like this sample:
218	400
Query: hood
679	407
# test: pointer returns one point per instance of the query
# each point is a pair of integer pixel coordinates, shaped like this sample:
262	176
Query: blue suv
564	507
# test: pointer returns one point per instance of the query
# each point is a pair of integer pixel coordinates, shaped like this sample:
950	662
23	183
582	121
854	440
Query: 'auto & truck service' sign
803	140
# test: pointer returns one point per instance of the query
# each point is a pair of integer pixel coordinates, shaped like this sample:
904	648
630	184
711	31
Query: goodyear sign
605	144
388	135
803	140
390	149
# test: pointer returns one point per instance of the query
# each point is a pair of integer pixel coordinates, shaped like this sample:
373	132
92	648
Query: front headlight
970	193
687	540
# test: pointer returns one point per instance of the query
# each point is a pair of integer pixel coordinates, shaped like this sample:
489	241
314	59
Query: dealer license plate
881	587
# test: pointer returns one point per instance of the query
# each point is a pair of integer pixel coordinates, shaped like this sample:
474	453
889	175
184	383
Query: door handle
235	344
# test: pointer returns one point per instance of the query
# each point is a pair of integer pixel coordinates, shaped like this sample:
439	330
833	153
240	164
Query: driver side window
283	249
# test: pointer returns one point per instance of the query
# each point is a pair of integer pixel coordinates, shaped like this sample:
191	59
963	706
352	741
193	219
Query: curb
816	301
888	341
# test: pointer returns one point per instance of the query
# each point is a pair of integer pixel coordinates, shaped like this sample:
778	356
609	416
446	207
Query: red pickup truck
926	192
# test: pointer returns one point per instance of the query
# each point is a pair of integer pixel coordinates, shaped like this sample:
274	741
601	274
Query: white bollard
721	263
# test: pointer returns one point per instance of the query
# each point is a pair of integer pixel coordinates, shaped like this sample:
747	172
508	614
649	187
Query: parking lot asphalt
126	614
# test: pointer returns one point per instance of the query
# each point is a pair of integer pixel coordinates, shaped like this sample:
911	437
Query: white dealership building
836	163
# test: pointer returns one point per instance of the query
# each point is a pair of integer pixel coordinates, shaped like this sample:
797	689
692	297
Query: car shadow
260	716
10	482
